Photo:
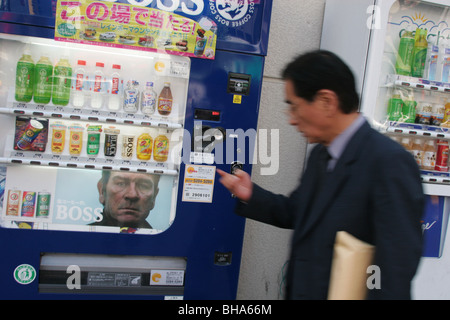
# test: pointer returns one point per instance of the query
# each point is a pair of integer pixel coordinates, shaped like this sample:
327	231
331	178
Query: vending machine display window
118	115
413	103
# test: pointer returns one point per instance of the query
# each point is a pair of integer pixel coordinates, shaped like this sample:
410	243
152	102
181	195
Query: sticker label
25	274
198	183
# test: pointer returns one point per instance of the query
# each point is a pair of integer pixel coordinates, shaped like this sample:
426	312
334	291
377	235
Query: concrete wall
296	27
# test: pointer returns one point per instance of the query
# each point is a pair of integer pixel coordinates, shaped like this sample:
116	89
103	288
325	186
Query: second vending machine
114	118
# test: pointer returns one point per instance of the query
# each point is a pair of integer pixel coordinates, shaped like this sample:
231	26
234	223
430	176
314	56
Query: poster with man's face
87	200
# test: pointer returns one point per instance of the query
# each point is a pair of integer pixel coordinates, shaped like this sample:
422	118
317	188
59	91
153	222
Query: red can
442	155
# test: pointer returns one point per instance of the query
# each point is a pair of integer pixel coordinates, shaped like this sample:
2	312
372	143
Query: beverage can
58	137
111	136
28	203
93	140
31	132
161	148
127	147
144	146
12	205
442	155
43	204
75	139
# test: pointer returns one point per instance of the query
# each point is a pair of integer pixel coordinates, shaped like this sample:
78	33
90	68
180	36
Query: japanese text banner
134	27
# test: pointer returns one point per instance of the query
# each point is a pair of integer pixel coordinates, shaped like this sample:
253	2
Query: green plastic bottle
62	82
43	78
24	78
405	54
419	53
395	107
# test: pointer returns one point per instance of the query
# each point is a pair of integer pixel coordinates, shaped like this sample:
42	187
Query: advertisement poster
133	27
93	201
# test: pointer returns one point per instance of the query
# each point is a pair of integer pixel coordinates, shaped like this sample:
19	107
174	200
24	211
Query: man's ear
329	101
101	196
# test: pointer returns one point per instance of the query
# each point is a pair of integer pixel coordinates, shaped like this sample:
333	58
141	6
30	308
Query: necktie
322	165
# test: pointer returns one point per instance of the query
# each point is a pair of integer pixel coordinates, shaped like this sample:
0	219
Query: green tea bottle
24	78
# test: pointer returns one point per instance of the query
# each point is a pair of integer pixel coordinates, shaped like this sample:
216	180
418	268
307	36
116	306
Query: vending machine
114	116
400	53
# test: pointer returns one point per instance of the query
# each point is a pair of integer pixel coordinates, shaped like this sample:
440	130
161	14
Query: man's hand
238	183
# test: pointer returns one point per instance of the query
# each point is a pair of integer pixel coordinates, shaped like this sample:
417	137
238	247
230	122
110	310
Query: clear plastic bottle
24	77
43	74
417	151
80	85
131	97
429	155
445	67
98	90
62	82
148	99
115	95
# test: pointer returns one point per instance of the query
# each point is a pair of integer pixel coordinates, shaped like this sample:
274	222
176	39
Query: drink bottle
419	53
405	54
445	67
43	77
165	100
148	99
24	78
395	106
116	89
161	148
429	155
431	64
131	97
62	82
144	146
80	85
98	90
409	109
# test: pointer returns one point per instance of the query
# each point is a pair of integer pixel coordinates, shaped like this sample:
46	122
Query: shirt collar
337	146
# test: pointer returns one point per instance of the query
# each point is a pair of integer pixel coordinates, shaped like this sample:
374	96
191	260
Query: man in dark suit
356	180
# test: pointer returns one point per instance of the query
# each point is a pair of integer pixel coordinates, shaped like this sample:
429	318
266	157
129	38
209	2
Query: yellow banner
134	27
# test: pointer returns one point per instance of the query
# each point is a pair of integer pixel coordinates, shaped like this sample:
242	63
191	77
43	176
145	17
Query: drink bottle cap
116	66
81	62
99	64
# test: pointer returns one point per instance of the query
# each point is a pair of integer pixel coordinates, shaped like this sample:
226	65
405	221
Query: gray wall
296	27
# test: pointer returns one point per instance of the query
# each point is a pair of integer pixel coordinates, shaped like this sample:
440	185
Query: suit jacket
374	193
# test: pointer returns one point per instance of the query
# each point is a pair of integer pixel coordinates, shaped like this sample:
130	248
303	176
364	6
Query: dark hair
317	70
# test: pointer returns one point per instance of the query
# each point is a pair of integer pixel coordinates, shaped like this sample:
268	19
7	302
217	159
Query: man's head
320	91
127	197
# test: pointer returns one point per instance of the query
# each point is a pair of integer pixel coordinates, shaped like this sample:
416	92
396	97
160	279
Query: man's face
129	197
310	118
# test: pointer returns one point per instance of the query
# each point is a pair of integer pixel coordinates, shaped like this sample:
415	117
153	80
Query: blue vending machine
114	117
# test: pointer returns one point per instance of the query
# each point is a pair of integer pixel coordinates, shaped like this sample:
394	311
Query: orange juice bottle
161	148
144	146
446	120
